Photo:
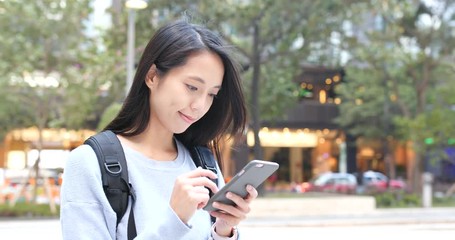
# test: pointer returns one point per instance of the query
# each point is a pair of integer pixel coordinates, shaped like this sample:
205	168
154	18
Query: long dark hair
169	48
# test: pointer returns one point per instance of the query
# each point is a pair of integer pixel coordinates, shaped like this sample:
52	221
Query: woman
186	92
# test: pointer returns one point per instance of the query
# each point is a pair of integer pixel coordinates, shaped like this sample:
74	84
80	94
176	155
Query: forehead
204	66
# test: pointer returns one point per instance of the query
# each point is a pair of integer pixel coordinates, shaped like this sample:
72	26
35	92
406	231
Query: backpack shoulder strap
114	171
203	157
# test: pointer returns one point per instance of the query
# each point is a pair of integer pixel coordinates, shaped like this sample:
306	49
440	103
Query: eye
191	88
213	95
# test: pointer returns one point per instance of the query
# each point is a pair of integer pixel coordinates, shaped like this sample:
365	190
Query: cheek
209	104
163	99
158	103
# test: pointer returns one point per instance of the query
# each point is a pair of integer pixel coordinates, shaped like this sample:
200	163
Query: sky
99	18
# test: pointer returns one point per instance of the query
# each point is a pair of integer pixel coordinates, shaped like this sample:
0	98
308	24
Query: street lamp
132	6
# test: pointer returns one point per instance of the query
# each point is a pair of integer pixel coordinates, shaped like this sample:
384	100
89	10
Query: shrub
397	199
22	209
444	201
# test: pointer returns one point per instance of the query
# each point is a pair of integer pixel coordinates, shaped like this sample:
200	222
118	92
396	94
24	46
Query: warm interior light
136	4
16	159
393	98
284	138
322	96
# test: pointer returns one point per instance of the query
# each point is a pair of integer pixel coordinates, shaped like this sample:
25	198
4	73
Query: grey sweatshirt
86	213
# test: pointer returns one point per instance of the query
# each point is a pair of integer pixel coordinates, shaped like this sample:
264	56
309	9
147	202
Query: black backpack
114	172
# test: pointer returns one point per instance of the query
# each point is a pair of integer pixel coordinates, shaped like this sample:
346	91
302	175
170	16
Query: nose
199	103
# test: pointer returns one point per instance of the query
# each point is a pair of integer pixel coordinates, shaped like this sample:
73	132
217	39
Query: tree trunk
36	167
389	167
41	123
421	108
416	183
257	149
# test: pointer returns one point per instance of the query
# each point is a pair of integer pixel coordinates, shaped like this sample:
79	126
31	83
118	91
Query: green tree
47	67
405	58
272	39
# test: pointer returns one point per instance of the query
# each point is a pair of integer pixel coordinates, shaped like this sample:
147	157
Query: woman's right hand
190	192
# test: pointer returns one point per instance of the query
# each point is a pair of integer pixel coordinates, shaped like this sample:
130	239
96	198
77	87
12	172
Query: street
267	229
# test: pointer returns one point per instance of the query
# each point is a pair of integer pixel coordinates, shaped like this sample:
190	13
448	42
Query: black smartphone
254	173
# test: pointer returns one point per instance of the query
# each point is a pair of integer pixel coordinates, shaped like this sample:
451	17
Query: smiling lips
187	118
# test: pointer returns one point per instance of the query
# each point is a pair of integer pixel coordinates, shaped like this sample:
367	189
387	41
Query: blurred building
307	142
20	147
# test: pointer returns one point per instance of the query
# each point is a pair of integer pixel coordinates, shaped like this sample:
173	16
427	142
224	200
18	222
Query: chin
180	130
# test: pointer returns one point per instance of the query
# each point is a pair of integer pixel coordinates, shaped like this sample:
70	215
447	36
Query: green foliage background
399	70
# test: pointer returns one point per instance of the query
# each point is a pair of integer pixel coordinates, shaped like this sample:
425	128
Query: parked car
374	182
332	182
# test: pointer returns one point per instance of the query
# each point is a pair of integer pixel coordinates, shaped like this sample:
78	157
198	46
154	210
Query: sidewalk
349	216
313	205
376	217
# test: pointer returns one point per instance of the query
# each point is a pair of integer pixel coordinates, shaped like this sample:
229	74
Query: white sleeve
85	212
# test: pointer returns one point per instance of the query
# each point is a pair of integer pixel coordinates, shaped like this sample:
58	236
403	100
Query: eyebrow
201	80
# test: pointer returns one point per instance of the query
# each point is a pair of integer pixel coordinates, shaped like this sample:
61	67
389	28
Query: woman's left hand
230	216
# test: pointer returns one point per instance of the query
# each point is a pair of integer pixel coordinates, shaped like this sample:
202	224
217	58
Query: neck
154	144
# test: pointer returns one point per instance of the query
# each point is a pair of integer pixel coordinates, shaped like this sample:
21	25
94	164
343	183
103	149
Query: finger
201	198
241	204
233	211
227	218
199	172
203	181
252	193
200	190
233	220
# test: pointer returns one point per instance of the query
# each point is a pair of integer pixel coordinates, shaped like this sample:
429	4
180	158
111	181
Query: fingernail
228	195
249	187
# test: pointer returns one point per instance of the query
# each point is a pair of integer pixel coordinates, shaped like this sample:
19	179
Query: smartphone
254	173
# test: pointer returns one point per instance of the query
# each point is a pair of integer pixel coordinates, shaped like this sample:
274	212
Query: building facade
308	142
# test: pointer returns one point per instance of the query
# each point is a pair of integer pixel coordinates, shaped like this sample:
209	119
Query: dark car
332	183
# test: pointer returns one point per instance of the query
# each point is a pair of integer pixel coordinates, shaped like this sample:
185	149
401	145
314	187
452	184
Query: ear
151	78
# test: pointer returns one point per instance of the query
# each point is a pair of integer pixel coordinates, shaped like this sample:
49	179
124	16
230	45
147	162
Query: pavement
336	210
369	232
328	217
441	215
380	224
312	205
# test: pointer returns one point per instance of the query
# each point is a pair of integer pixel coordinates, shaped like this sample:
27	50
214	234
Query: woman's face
185	94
